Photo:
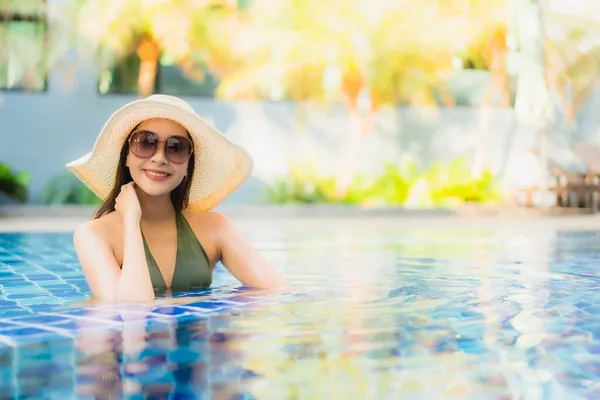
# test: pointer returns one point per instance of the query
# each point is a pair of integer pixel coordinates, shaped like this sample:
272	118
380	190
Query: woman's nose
159	156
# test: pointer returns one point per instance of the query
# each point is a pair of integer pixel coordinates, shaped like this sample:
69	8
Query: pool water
378	315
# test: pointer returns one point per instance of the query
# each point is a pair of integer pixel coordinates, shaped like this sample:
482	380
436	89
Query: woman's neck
155	208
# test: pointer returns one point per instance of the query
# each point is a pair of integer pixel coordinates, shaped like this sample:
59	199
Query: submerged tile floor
403	314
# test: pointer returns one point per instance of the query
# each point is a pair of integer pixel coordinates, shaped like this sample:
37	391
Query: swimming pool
380	314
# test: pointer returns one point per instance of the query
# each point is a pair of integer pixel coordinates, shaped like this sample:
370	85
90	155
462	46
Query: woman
159	169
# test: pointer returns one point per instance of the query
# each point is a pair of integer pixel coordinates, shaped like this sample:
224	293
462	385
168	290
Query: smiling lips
156	175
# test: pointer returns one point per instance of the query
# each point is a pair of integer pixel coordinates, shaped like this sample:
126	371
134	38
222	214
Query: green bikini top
192	266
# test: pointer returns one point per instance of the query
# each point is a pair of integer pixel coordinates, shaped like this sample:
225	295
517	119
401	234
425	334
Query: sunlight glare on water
423	314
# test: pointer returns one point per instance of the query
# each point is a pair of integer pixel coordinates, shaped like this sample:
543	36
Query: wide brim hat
220	166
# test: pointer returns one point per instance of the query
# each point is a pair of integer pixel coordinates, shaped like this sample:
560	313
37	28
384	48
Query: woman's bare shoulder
209	225
103	228
211	219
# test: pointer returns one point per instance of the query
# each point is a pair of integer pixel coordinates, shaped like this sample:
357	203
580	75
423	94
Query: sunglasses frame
158	142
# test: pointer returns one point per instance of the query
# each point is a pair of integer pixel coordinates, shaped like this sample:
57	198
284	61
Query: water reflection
482	314
158	358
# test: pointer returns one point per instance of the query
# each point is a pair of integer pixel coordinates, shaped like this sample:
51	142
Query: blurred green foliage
67	189
14	184
443	184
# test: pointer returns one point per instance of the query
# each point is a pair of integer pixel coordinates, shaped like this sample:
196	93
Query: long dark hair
179	195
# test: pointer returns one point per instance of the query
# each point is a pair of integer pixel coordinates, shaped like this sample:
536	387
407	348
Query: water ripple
436	314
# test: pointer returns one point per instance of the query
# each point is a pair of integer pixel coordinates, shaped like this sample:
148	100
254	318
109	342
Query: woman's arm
242	260
131	282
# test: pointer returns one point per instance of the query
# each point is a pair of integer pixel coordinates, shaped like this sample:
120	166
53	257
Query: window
22	42
170	79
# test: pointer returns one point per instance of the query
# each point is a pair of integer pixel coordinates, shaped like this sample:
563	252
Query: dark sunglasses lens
178	150
143	144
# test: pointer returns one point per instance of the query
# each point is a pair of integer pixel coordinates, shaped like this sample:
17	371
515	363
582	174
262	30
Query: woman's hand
128	204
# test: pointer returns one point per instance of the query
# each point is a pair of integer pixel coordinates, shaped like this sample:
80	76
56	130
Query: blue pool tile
86	329
15	281
18	296
14	262
59	285
582	304
593	329
70	275
74	279
171	311
8	257
78	311
91	317
57	268
471	345
65	293
22	287
74	296
68	324
40	303
248	299
27	333
23	253
87	315
41	277
41	319
592	310
38	308
156	324
471	314
4	311
593	348
15	312
8	325
209	305
184	356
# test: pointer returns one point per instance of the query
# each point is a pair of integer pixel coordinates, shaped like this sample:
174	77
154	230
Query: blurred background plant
13	185
365	54
442	184
65	188
138	35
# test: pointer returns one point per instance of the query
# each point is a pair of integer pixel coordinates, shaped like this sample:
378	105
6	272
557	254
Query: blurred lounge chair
578	189
571	188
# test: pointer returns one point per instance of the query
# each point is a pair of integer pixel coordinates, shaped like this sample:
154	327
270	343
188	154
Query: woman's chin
153	189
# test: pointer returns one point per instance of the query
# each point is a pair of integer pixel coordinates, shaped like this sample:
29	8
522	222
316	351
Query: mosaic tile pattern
411	315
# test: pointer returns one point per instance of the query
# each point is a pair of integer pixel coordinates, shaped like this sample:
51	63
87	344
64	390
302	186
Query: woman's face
158	156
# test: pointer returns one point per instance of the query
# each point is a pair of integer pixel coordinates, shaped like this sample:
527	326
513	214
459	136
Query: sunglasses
144	144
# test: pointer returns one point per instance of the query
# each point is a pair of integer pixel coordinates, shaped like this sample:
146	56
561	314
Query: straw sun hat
220	165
